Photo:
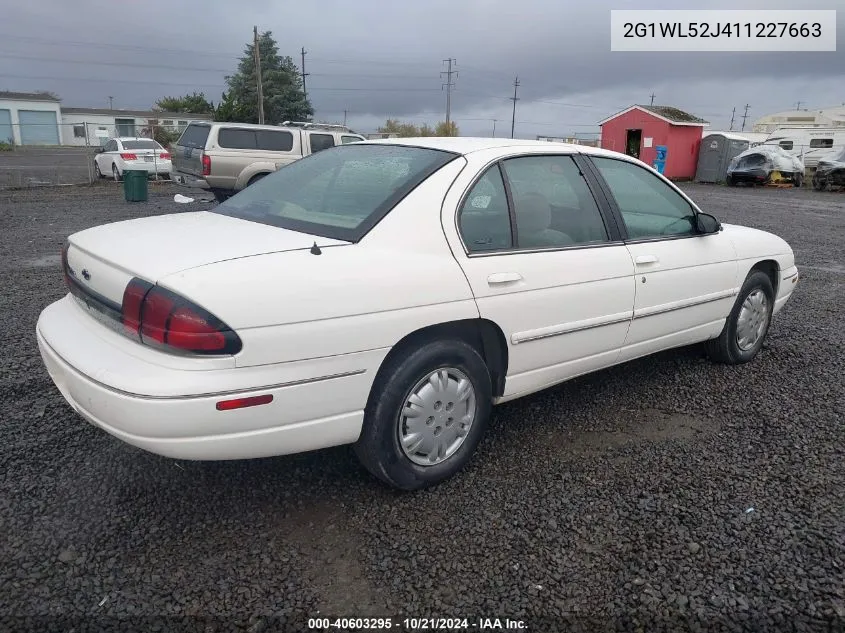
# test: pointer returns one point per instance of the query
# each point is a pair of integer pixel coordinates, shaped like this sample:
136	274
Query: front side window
553	205
649	207
484	219
340	194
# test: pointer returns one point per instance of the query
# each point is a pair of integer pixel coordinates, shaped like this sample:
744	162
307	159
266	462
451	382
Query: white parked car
388	293
119	154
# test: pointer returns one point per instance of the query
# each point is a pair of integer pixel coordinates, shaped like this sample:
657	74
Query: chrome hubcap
437	416
752	321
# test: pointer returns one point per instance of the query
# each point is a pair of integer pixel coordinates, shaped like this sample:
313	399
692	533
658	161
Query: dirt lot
665	494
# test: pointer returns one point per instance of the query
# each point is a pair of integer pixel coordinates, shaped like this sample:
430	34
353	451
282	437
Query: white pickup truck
227	157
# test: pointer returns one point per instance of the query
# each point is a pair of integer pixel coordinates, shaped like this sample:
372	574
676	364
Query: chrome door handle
647	259
503	278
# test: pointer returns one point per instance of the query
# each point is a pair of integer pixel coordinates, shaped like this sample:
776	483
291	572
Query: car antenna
315	250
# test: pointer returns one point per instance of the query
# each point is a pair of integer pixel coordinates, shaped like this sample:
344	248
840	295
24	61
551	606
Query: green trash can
135	185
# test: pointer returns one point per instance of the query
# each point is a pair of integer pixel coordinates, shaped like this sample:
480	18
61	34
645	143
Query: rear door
188	150
545	263
318	141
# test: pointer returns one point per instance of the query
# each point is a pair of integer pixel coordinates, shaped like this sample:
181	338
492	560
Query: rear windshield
194	136
141	145
340	193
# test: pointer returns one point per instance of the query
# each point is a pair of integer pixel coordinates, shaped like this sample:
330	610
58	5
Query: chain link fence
32	155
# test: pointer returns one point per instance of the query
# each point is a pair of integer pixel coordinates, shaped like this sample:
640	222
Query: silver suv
226	157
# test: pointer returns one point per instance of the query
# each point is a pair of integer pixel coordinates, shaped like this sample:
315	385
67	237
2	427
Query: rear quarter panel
351	298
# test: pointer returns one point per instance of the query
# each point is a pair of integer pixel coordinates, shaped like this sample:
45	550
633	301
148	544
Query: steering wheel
688	220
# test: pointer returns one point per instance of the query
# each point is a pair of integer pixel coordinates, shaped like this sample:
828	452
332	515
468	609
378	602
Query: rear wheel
748	323
427	412
115	172
255	179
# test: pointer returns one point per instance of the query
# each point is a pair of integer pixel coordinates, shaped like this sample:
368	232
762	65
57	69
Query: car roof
468	145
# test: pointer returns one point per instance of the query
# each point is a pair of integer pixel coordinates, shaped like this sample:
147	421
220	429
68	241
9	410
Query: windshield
141	145
339	193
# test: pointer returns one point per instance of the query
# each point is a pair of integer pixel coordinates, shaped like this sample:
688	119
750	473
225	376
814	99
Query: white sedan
119	154
387	293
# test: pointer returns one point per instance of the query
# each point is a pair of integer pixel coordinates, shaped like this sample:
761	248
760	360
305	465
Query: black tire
730	182
255	179
378	447
798	181
115	173
97	170
220	195
726	348
819	185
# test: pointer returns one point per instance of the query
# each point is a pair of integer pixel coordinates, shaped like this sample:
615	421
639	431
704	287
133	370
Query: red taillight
133	301
159	317
127	156
164	155
240	403
206	165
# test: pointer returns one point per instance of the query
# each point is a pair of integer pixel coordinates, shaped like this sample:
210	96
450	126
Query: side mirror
707	224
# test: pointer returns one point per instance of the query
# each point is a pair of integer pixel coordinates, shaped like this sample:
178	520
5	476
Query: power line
448	86
514	99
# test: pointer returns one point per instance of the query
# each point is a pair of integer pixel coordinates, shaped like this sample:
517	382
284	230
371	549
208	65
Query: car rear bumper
189	180
151	168
310	409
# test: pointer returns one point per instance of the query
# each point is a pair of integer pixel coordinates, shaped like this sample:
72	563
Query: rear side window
321	141
821	142
275	141
350	139
236	138
194	136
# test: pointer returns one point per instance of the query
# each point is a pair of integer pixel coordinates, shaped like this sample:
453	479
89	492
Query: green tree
403	130
194	103
442	129
284	98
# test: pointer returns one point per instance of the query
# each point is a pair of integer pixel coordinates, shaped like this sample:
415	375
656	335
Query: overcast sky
382	58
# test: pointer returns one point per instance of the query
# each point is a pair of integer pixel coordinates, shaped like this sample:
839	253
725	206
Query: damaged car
830	172
763	165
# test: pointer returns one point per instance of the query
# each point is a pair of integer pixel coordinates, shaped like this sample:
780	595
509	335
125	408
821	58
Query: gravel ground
665	494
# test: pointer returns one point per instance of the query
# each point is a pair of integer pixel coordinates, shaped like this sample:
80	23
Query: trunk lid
188	150
103	259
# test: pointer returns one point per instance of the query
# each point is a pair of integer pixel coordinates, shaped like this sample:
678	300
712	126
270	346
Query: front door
633	142
546	265
685	282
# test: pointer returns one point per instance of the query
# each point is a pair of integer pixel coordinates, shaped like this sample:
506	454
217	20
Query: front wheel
426	414
97	171
747	324
819	185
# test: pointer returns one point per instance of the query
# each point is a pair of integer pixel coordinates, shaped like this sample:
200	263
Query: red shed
639	130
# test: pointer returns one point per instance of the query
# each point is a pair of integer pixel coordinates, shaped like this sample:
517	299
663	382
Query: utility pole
494	128
798	106
733	115
304	74
111	99
514	98
344	118
448	85
652	98
259	87
745	116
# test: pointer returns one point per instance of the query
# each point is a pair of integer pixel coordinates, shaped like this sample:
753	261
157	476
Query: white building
826	117
30	118
92	126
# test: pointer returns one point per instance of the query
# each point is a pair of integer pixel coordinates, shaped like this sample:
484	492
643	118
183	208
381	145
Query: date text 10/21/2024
416	624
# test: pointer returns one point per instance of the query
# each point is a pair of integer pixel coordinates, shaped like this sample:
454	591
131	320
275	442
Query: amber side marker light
241	403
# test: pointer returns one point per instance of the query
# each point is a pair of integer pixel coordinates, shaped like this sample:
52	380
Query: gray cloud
377	59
